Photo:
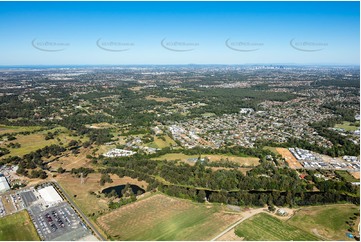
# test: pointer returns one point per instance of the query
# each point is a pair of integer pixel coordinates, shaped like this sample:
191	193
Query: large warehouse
4	185
50	195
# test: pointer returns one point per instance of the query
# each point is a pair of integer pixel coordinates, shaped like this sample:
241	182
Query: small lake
118	189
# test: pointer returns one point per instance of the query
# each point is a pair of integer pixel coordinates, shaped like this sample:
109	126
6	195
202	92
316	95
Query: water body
118	189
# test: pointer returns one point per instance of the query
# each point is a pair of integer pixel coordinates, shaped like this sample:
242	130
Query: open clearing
158	99
159	143
266	227
272	149
175	156
160	217
347	126
290	159
15	129
33	142
328	220
73	161
89	203
17	227
355	174
246	161
347	176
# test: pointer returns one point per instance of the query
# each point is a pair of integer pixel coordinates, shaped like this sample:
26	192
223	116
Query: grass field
346	126
175	156
347	176
15	129
272	149
159	143
35	141
247	161
17	227
329	220
267	228
89	203
166	218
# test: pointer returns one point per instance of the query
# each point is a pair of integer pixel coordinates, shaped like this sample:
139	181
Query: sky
127	33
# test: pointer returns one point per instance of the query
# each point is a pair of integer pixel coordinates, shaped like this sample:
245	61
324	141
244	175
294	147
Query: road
79	211
245	215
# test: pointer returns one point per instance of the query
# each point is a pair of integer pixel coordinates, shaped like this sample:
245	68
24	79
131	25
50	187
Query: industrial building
50	195
4	185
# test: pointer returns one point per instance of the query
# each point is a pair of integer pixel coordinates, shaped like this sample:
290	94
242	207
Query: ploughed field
160	217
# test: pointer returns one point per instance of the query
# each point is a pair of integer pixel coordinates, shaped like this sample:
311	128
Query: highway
96	232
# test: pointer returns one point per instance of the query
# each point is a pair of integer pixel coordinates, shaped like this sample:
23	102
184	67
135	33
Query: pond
118	189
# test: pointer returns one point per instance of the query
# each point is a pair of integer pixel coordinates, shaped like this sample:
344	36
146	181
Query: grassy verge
17	227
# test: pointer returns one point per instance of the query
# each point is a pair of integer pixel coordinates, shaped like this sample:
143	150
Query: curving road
96	232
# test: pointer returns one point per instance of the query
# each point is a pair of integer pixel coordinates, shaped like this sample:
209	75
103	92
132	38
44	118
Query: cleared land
73	161
289	158
17	227
90	203
329	221
355	174
165	218
158	99
267	228
246	161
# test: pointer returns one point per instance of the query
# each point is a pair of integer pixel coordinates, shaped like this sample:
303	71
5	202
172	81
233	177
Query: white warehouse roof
4	185
50	195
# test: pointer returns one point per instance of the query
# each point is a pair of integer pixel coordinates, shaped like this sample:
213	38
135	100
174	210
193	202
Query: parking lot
58	223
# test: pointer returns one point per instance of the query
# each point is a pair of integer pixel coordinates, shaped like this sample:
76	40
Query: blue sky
63	33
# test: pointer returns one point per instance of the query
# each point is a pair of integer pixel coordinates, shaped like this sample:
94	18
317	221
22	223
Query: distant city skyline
161	33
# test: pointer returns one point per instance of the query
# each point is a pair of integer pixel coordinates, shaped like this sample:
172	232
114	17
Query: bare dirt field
355	174
290	159
246	161
160	217
73	161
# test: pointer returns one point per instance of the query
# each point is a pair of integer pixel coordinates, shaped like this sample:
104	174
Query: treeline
258	198
265	184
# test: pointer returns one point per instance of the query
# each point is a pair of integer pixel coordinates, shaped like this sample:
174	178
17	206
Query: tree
61	170
201	196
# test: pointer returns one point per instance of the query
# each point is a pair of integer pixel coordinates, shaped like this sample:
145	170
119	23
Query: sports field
17	227
265	227
329	221
166	218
